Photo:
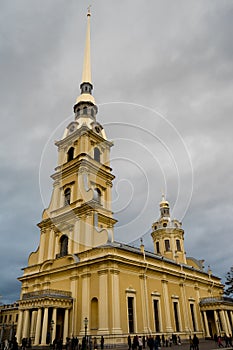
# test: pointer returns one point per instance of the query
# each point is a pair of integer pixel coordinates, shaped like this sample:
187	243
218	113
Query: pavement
203	345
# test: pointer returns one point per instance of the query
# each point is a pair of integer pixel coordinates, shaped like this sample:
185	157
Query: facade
8	320
79	272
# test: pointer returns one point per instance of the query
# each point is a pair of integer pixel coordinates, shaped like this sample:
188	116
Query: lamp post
85	327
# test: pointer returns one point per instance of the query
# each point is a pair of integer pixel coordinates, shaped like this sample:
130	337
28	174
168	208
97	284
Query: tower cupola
168	235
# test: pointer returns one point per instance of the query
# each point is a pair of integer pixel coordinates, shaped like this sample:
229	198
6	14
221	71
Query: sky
162	72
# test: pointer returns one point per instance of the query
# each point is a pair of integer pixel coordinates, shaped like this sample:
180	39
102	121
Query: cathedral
81	282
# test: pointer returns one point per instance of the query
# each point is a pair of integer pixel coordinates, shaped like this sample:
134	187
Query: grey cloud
175	57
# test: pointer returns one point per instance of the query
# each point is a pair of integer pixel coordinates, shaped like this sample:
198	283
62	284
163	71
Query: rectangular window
157	248
167	245
177	325
178	247
10	318
16	318
156	315
131	314
193	317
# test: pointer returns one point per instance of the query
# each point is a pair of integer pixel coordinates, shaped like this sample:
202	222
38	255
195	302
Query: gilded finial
163	195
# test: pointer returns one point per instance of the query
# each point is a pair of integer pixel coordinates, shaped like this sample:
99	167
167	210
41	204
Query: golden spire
86	76
86	84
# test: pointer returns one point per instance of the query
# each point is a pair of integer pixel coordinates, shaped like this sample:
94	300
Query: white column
33	320
103	302
38	327
19	327
44	326
223	321
66	325
231	313
207	331
116	319
228	323
26	323
217	323
166	306
54	318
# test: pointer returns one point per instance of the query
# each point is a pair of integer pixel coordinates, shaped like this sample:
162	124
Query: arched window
85	110
63	245
70	154
94	313
97	154
97	195
178	246
157	248
167	245
67	194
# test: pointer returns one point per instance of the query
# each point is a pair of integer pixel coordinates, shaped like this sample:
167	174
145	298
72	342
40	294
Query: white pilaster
144	300
103	302
168	325
51	244
187	326
42	246
116	319
85	298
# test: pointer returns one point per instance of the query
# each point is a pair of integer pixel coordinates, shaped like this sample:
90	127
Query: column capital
143	276
103	272
164	281
74	278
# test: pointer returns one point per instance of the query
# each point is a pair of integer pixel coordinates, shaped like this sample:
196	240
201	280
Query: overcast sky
163	80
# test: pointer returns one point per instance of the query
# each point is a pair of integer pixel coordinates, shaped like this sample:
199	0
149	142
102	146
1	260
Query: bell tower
168	235
79	216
